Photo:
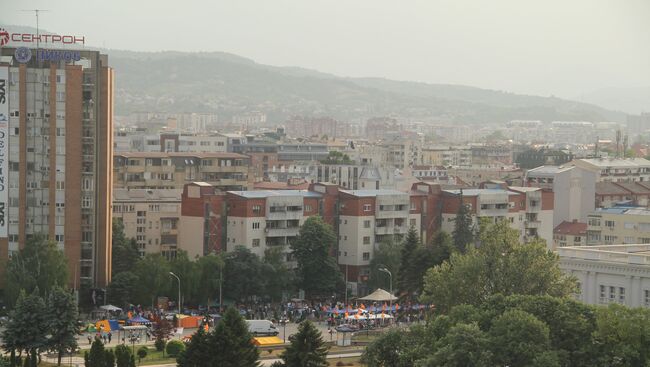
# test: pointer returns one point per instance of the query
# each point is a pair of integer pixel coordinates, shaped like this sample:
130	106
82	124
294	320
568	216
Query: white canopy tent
110	308
379	295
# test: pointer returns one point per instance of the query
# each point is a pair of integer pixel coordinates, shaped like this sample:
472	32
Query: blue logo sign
23	55
58	55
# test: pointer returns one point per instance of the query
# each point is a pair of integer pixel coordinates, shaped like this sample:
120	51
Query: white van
262	327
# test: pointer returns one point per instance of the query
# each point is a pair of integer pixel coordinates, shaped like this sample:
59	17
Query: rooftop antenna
36	11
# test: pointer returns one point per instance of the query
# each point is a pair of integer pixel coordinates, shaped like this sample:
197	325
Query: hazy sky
560	47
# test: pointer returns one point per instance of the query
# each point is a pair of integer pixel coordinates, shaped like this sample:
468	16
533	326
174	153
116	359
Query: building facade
618	225
162	170
574	189
151	217
56	121
610	274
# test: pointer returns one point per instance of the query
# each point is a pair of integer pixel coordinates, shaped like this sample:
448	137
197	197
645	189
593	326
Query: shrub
160	344
142	352
175	347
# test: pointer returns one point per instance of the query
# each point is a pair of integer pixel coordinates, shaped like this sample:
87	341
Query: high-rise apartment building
56	118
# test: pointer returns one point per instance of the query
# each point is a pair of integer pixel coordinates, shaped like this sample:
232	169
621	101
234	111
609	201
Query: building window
257	209
366	256
602	299
412	222
366	224
610	223
646	298
256	242
256	225
366	207
307	208
621	295
366	240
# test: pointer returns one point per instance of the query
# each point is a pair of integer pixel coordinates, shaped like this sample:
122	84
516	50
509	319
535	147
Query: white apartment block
261	220
574	190
616	169
610	274
366	218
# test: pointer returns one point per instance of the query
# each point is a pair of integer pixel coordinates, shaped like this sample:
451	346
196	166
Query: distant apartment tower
56	121
150	217
574	190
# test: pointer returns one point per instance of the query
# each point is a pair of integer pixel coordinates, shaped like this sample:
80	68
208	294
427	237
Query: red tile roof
571	228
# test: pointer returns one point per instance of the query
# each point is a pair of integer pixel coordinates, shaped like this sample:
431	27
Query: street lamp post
390	275
180	304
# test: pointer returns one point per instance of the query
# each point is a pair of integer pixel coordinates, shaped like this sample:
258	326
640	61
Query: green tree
243	272
307	348
142	352
188	272
174	348
441	247
518	338
210	268
125	251
122	356
408	257
387	255
62	322
199	351
98	356
464	345
39	266
153	272
317	271
27	327
278	278
124	288
231	341
502	265
463	233
622	336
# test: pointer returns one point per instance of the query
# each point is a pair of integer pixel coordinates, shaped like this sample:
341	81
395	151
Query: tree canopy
38	267
501	265
307	348
317	272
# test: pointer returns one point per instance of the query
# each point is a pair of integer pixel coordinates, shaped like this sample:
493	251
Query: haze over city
561	48
325	183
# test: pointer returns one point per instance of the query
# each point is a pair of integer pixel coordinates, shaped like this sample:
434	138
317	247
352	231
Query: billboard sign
4	151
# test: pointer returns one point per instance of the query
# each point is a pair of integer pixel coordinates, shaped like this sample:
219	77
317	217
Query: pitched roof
571	228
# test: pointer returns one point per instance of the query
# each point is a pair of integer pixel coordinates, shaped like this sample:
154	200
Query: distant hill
630	100
176	81
229	84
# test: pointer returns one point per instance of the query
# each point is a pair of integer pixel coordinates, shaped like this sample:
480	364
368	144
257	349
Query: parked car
262	327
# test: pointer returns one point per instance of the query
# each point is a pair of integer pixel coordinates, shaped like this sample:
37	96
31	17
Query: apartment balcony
532	224
390	230
282	232
172	232
493	212
224	169
392	213
284	215
530	208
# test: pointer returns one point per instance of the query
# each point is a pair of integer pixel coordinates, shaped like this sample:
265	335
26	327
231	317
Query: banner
4	151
